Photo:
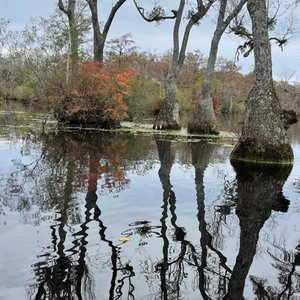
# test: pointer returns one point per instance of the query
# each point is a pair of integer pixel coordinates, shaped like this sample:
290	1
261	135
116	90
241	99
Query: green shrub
143	99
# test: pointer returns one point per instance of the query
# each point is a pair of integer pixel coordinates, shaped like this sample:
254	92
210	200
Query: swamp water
99	215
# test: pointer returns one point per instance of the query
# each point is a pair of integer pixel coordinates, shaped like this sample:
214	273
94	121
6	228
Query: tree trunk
98	36
264	137
203	118
168	117
99	43
73	31
73	34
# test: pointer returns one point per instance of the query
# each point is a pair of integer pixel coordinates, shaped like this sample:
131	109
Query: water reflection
201	154
171	269
155	255
67	275
61	275
286	262
259	192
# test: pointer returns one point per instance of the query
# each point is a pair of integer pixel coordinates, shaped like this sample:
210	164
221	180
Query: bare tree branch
201	12
155	18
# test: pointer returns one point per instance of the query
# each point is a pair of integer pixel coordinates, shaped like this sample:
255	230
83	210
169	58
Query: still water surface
116	216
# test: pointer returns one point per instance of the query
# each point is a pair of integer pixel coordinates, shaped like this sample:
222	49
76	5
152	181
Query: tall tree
203	118
69	10
168	117
100	36
264	137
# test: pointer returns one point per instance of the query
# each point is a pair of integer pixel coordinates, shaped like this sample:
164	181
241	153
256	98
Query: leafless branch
155	18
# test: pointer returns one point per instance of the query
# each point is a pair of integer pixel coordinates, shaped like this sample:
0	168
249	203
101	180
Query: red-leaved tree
95	96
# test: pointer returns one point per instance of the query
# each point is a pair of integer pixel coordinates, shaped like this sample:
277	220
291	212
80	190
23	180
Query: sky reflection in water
113	216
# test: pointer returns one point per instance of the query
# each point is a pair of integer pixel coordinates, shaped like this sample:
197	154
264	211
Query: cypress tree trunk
203	119
264	137
168	117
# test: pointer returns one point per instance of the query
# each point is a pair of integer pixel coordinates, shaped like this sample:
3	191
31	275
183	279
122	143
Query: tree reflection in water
171	270
65	274
256	191
289	278
207	271
70	164
259	192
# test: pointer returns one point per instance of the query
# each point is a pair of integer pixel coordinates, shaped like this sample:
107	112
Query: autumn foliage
90	95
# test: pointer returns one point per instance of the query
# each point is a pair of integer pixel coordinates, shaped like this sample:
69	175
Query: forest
66	65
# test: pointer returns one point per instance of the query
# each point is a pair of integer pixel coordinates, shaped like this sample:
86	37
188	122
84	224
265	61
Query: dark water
116	216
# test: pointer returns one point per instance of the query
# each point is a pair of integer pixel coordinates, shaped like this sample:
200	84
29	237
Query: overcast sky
156	39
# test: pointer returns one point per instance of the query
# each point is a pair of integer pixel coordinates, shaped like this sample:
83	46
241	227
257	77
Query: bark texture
168	117
203	118
98	38
264	137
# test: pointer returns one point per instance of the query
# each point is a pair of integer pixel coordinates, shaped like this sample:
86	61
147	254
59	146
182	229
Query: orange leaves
108	86
125	76
95	92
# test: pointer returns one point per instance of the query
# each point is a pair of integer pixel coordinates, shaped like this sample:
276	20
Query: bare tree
32	52
203	118
168	117
100	36
264	137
